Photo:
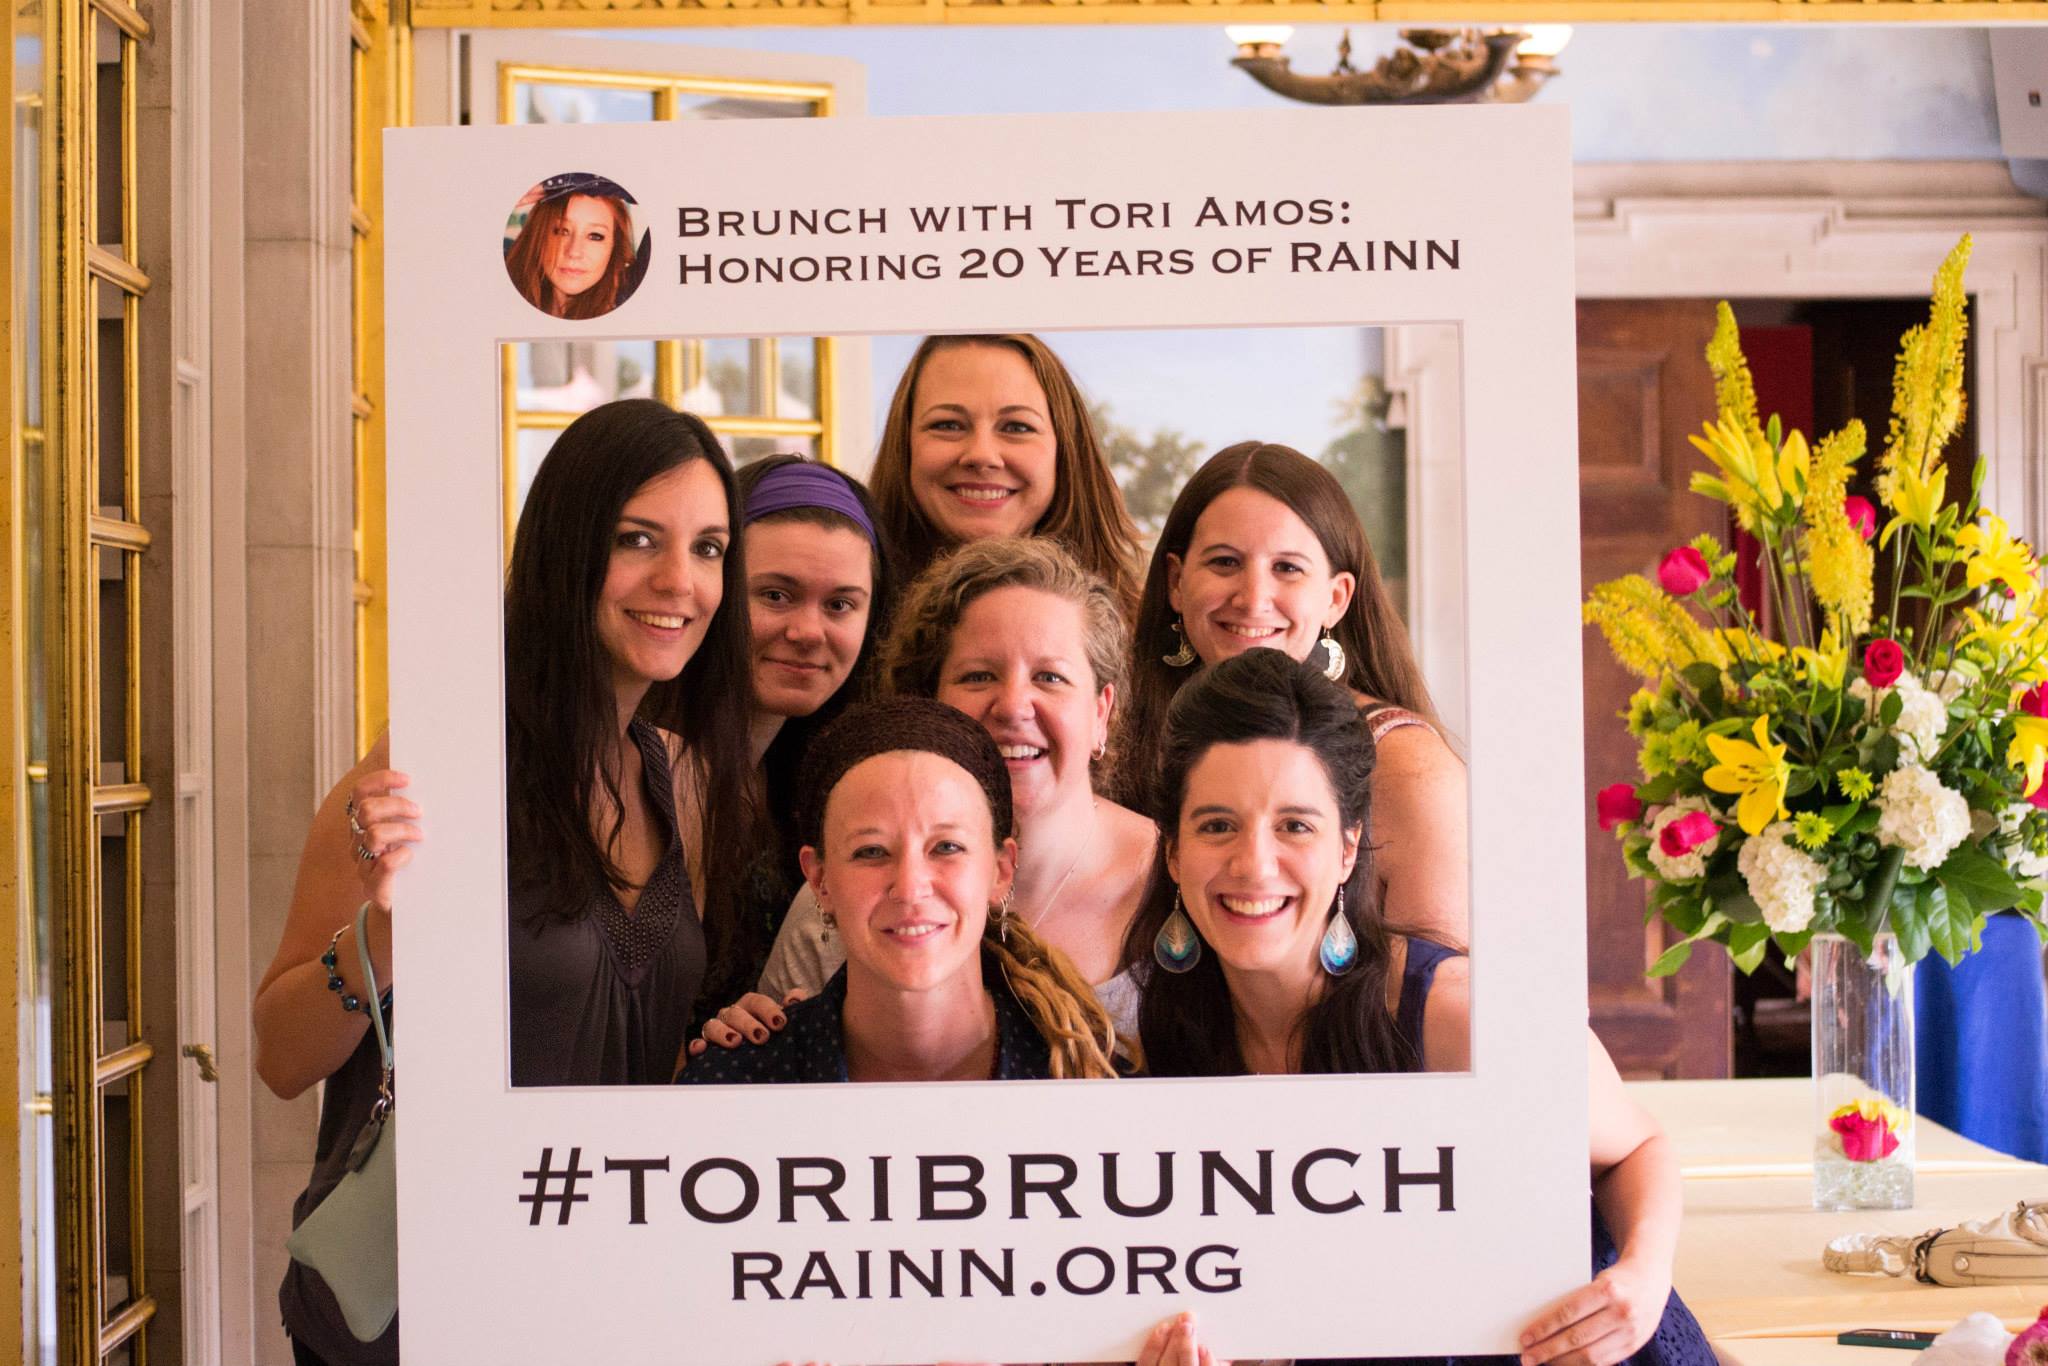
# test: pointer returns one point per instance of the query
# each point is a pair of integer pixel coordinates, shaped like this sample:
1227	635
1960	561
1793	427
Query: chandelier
1432	66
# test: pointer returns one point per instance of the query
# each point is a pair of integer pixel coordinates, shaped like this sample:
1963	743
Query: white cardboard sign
1306	1216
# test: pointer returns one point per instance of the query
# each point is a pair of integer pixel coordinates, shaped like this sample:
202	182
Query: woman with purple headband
818	593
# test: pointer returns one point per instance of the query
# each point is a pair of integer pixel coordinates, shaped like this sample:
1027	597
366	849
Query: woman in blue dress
1272	958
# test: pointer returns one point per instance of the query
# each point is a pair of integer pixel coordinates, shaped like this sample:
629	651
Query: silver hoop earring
1333	658
1001	911
1184	654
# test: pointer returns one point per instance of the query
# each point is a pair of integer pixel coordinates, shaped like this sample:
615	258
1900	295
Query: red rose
1883	662
2034	701
1861	515
1683	572
1689	832
1864	1139
1617	804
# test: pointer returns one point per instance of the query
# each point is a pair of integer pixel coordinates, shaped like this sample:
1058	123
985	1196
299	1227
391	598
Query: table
1749	1251
1764	1127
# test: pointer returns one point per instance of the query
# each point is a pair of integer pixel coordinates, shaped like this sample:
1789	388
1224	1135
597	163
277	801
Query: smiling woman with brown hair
989	436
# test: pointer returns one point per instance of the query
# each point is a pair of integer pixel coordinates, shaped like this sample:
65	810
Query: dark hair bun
905	723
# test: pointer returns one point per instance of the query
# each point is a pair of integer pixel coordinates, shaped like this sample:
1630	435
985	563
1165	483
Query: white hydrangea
1781	879
1921	816
1687	866
1923	715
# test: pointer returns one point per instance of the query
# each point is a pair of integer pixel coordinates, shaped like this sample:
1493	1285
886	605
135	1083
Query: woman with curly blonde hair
1030	645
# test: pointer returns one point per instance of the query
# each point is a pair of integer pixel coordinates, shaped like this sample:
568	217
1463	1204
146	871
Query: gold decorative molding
712	13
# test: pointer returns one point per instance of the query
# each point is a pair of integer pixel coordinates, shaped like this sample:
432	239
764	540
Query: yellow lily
1758	772
1990	554
2029	748
1795	465
1749	478
2002	634
1827	665
1915	498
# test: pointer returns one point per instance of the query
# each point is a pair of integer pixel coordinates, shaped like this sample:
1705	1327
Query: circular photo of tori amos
574	246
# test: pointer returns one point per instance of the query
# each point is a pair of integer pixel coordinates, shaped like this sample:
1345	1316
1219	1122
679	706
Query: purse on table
2006	1249
351	1237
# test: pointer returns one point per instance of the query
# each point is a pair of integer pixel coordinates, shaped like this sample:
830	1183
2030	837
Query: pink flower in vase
1861	514
1884	659
1617	805
2030	1348
1684	571
1868	1129
1690	831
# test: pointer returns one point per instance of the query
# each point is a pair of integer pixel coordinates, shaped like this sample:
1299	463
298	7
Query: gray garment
605	998
806	955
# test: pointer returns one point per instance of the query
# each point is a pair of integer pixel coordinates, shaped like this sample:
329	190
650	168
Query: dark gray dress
604	998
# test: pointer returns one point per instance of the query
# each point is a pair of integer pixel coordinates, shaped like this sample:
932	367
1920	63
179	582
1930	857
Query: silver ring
354	826
363	853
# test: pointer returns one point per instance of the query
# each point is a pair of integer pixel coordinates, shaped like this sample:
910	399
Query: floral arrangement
1874	764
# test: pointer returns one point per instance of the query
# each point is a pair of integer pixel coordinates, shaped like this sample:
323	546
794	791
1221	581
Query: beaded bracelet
349	1000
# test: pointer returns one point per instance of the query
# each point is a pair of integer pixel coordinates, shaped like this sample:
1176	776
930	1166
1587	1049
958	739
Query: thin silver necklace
1094	808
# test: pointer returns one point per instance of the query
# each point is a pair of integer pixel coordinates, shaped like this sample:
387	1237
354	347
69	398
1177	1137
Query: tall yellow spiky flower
1927	399
1648	630
1838	559
1734	391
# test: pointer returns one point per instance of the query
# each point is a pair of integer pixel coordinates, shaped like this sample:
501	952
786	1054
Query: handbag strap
375	1007
1864	1253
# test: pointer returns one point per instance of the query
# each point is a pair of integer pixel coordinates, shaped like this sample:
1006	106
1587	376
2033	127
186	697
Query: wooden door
1643	386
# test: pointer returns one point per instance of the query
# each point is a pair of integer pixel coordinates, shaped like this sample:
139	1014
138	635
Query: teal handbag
351	1238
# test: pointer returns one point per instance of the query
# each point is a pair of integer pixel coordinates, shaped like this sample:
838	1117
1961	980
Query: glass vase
1862	1075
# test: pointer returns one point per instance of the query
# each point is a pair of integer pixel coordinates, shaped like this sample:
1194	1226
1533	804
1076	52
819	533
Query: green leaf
1862	821
1979	881
1702	678
1800	782
1792	945
1746	945
1888	711
1910	917
1672	959
1658	790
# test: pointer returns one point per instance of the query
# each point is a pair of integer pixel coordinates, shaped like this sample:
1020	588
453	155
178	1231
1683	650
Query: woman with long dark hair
1272	957
989	436
819	589
1263	550
630	807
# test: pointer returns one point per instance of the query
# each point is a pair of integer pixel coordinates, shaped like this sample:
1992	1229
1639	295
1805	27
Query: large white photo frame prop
1478	205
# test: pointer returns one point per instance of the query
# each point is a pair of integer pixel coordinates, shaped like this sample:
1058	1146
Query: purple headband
806	484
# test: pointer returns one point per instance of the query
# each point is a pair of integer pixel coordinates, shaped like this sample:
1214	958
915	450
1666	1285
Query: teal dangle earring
1177	947
1339	950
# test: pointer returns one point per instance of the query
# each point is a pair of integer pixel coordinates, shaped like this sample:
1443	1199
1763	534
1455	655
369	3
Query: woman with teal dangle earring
1262	550
1263	801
